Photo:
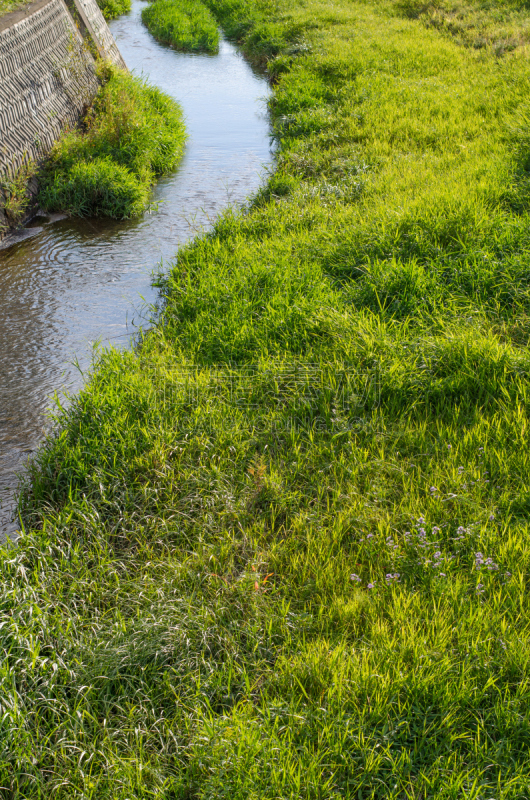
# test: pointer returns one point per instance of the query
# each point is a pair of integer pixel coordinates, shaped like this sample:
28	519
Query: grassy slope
132	134
181	618
187	26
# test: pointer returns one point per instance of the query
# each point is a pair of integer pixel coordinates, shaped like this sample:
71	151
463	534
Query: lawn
281	549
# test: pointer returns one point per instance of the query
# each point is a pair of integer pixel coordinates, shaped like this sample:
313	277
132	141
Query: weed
11	5
15	197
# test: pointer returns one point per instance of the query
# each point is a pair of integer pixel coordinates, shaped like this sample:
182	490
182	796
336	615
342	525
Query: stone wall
98	30
47	79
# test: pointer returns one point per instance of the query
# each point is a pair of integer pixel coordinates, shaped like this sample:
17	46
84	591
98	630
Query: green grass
281	550
15	195
187	25
133	133
114	8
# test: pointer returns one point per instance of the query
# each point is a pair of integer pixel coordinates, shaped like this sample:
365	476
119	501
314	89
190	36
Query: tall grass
133	133
282	549
187	25
114	8
15	193
110	8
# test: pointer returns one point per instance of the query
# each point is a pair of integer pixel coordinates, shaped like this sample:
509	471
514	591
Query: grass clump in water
187	26
132	134
114	8
282	549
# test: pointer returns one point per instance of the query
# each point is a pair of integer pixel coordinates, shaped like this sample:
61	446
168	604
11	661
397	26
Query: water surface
73	283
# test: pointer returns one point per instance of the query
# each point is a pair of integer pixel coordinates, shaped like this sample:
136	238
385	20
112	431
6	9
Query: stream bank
71	283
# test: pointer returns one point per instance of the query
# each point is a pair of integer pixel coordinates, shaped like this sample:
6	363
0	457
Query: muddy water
73	283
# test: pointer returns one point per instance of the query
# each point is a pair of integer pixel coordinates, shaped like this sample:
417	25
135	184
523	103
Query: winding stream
72	283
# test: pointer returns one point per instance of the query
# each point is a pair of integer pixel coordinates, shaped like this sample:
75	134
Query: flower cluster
423	551
489	563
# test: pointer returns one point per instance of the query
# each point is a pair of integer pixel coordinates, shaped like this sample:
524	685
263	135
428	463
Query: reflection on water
76	282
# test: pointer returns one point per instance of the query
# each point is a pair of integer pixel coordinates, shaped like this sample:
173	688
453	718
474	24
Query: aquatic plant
132	134
187	25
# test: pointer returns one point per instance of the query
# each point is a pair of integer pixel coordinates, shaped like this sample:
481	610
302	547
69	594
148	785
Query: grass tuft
15	194
114	8
133	133
187	25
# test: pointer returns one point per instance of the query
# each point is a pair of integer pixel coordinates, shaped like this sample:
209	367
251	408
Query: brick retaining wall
98	30
47	77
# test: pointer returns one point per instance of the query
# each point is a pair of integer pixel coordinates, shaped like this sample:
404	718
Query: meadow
132	134
281	548
186	25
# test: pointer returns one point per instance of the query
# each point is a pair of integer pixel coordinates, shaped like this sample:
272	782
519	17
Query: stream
68	284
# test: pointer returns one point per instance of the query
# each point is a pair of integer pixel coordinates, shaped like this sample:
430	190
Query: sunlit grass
133	133
114	8
281	550
187	25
